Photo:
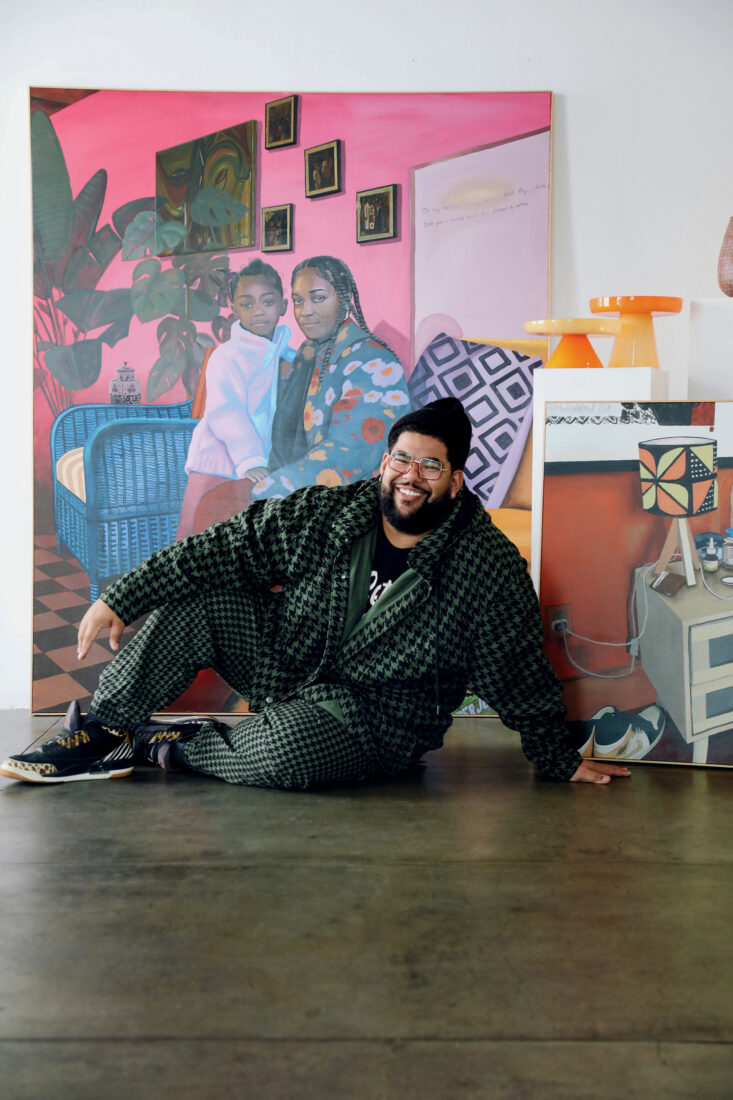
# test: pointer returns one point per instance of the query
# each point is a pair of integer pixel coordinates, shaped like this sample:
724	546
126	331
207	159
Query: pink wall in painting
383	137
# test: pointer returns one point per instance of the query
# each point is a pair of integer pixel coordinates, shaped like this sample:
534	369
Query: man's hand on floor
591	772
98	617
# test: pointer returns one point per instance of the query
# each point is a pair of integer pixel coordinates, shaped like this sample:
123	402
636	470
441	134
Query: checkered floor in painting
60	598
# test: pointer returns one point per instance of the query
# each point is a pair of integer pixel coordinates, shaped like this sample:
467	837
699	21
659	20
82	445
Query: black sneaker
153	742
91	751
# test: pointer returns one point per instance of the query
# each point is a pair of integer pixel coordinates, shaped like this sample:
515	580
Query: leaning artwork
158	219
636	580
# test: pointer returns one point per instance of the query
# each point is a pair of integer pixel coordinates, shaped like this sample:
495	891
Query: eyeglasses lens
429	468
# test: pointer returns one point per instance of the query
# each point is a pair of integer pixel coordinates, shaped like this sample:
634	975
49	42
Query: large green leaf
76	366
157	294
176	336
104	245
126	214
139	236
85	268
168	235
180	357
164	374
211	273
213	207
201	307
147	235
53	211
89	309
147	267
167	327
82	272
87	207
118	331
190	377
222	327
42	274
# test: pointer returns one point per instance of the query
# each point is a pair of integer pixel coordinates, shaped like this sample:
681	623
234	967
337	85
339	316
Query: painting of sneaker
586	750
619	736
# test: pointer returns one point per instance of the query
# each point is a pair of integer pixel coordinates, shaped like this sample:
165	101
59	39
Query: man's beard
427	517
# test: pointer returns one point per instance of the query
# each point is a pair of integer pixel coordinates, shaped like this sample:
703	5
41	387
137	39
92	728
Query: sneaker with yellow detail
88	751
154	742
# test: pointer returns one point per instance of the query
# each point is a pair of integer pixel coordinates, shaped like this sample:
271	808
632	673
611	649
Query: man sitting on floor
352	618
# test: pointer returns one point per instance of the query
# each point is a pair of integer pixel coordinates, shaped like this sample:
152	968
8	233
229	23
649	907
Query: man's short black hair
253	269
446	420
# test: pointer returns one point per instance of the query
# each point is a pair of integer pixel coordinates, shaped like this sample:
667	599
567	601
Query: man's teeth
410	493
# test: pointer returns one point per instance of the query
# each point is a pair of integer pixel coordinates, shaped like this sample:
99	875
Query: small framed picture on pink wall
281	122
323	169
277	228
376	214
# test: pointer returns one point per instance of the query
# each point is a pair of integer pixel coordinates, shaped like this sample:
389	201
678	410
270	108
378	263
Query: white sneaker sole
32	773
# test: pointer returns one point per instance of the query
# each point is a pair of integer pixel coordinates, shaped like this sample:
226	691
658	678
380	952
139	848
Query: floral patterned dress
347	410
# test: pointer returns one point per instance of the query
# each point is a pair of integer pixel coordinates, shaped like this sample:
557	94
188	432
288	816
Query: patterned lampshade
679	475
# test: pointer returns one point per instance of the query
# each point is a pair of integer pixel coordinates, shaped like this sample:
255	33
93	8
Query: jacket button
268	700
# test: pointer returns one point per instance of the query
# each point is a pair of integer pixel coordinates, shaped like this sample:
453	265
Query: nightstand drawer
711	707
711	651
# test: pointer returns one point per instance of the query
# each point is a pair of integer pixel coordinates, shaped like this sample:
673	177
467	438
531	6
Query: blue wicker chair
132	485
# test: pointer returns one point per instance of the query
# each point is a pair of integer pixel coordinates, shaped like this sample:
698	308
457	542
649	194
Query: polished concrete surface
470	930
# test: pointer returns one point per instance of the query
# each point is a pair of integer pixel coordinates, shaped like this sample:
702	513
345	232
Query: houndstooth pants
290	745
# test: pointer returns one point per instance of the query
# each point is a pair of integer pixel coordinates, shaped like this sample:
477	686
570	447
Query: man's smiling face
410	502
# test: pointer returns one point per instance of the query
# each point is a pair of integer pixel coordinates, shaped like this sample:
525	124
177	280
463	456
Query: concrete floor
468	931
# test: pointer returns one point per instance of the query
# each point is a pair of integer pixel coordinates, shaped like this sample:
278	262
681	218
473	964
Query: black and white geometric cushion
495	386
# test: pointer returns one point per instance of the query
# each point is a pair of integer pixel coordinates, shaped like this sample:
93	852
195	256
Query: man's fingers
591	772
115	634
97	618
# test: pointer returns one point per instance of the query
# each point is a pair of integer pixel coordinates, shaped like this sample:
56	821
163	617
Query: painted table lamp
679	478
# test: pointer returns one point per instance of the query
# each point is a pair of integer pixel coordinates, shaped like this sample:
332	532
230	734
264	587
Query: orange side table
635	345
574	349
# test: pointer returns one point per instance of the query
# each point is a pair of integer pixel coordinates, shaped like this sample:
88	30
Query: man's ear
456	481
383	463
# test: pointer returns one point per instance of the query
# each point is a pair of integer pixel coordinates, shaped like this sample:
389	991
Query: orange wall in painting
594	534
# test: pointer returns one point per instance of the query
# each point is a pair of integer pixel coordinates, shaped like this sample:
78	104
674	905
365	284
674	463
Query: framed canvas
277	228
126	317
376	213
205	192
323	169
281	122
636	584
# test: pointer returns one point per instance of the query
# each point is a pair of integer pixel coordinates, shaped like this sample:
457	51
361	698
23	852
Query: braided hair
339	276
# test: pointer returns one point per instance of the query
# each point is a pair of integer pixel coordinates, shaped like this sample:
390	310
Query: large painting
636	581
158	217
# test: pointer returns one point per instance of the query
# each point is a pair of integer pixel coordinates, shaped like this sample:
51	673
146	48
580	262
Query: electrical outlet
553	613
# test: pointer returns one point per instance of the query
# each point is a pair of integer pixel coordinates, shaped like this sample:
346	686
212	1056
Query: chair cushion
70	472
495	386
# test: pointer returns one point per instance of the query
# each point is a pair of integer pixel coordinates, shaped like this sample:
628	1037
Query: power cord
560	626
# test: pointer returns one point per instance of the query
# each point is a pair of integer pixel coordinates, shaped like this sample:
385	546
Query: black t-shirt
388	564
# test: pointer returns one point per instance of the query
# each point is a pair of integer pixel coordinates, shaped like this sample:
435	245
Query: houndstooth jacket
469	622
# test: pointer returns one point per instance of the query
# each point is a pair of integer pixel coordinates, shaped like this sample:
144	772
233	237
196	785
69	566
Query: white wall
642	169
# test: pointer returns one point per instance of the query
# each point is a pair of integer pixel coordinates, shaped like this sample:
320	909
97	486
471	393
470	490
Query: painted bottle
727	559
710	558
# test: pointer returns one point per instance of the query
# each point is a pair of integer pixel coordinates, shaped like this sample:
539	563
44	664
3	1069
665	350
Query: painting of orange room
636	577
177	236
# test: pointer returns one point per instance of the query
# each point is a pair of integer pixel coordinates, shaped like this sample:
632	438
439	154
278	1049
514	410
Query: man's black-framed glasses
429	468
